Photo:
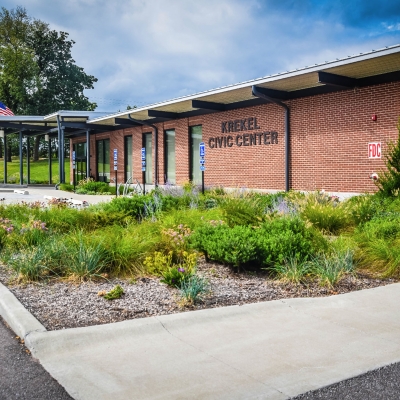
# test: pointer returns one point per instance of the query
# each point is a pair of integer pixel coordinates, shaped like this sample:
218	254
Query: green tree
38	75
389	180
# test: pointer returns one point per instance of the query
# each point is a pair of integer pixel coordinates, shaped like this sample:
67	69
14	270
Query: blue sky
144	51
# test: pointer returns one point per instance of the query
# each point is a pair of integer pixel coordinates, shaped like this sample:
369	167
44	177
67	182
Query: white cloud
150	50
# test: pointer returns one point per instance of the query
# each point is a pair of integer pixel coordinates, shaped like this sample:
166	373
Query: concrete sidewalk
38	193
270	350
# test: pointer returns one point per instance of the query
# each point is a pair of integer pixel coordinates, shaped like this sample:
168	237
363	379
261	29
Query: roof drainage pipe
258	93
155	147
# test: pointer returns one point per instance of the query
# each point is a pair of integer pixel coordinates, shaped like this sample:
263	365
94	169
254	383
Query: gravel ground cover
59	304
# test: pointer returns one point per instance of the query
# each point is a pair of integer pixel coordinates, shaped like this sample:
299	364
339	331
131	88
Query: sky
145	51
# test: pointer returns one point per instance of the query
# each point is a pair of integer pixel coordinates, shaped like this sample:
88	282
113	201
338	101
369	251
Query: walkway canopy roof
364	69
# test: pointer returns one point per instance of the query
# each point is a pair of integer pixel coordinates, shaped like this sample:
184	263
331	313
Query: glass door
103	160
147	144
80	161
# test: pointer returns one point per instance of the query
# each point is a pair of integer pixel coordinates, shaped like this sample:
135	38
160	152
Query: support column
59	147
21	161
5	158
28	163
87	154
62	147
50	157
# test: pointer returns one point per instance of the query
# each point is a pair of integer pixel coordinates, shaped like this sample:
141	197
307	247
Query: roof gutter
256	91
138	121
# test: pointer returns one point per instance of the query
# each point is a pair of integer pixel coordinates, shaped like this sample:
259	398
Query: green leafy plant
389	180
114	293
235	245
283	238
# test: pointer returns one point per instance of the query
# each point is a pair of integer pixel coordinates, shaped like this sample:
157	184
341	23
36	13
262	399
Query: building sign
374	150
115	159
202	151
243	139
143	152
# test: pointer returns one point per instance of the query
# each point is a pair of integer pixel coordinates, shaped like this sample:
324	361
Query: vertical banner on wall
116	170
143	152
202	151
374	150
73	167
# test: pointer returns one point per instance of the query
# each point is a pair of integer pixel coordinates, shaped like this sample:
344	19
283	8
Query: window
147	138
195	140
169	138
103	160
128	158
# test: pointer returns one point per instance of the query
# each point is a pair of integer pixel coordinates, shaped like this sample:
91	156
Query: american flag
4	110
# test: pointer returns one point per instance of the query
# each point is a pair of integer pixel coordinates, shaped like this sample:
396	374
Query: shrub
284	238
173	274
66	187
389	180
129	206
90	186
235	245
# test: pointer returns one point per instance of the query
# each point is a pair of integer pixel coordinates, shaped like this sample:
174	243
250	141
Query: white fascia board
79	114
271	78
21	118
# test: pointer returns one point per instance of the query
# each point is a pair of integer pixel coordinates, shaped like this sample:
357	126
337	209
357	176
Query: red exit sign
374	150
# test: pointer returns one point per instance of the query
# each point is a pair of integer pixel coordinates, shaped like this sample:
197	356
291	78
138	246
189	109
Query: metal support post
28	156
50	157
87	154
5	159
21	161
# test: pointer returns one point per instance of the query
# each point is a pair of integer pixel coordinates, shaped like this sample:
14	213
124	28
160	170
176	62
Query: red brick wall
329	138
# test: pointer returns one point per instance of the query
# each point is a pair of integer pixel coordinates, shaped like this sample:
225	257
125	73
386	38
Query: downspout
155	147
258	93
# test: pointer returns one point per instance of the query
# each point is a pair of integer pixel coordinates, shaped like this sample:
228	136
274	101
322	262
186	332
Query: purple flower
181	269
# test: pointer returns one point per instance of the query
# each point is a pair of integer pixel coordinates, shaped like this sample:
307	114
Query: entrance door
103	160
80	161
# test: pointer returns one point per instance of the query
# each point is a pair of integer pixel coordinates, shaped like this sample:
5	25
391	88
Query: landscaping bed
60	304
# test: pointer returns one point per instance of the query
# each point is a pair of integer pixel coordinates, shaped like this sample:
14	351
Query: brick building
325	126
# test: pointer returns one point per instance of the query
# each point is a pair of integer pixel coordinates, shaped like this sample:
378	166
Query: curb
20	320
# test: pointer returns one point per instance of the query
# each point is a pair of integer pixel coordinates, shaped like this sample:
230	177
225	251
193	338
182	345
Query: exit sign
374	150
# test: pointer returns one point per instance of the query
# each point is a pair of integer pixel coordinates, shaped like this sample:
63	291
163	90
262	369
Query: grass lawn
39	171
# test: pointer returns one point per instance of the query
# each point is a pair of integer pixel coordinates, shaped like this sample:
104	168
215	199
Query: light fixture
46	138
2	133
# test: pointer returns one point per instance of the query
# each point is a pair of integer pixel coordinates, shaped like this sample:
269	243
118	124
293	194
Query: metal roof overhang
74	123
361	70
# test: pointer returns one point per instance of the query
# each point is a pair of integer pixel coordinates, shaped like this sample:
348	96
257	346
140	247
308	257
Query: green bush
235	245
285	238
66	187
389	180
